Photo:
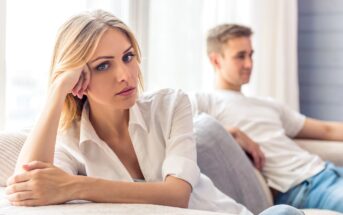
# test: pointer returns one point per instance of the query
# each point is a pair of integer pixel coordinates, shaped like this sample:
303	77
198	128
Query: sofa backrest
10	146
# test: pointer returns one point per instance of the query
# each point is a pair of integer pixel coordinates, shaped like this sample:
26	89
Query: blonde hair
218	36
76	42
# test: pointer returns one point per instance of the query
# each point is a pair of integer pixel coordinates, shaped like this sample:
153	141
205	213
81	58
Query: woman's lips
126	91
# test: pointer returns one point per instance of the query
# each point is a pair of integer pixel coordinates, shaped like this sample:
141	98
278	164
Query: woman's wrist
57	89
80	187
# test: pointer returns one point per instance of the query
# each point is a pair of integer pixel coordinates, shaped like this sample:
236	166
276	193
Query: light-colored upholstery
88	208
10	145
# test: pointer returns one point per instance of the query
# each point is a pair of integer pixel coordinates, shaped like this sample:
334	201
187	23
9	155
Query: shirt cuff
181	167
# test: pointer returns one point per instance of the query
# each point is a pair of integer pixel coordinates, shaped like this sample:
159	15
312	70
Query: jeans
322	191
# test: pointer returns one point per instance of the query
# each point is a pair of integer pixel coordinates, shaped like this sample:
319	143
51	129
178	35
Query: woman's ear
214	59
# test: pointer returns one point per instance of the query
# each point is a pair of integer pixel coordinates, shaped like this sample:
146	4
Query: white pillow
10	146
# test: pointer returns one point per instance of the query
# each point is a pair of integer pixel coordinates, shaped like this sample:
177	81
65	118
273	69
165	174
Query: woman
107	136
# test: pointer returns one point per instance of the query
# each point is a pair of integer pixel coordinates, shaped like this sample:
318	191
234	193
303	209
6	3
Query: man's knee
282	210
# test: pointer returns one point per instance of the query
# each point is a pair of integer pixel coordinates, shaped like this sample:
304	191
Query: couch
219	157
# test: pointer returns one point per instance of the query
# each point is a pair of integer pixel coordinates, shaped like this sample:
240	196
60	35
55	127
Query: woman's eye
128	57
103	66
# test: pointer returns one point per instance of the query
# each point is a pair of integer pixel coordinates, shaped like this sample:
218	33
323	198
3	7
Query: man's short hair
219	35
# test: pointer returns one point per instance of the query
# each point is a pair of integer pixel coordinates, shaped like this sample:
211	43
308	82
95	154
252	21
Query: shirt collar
229	92
136	117
87	131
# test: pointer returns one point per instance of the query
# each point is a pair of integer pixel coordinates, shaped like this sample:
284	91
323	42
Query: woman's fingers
28	202
17	187
78	86
25	176
35	165
20	196
86	80
18	178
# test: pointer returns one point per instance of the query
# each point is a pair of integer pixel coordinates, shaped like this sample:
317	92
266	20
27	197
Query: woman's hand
74	81
41	184
249	146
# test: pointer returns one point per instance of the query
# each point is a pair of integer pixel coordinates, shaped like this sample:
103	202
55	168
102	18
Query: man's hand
40	184
249	146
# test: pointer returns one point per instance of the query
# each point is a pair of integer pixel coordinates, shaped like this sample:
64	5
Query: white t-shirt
161	131
271	125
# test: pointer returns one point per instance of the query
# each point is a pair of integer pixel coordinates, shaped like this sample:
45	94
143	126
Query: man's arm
249	146
322	130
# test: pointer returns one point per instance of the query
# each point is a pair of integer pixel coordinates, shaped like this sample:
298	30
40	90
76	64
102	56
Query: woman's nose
122	73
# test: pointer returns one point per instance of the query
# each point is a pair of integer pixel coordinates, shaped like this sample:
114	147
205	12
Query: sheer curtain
176	55
2	63
275	43
31	27
174	45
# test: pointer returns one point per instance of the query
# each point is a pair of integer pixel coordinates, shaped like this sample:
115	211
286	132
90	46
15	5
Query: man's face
235	64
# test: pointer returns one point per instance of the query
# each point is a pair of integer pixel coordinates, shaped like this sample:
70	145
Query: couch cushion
10	145
225	163
88	208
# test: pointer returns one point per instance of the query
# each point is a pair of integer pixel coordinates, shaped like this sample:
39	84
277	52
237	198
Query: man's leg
282	210
327	192
322	191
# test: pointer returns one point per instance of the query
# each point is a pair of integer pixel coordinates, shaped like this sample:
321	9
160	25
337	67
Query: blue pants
323	191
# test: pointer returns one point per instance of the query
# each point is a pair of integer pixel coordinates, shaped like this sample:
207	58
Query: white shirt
271	125
161	131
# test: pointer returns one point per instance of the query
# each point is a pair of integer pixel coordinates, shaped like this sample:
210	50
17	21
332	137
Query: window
31	28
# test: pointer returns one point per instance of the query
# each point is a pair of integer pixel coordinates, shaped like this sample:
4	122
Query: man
299	178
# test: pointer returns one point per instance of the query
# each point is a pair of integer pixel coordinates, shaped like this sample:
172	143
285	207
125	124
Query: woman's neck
109	123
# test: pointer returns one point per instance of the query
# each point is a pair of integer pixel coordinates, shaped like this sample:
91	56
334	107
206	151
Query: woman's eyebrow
128	49
102	57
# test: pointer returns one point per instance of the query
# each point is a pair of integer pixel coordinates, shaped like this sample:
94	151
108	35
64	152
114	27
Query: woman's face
114	72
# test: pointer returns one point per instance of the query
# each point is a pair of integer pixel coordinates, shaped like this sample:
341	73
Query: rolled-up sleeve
64	160
180	160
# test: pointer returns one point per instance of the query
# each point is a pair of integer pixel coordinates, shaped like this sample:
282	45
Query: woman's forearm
173	192
40	144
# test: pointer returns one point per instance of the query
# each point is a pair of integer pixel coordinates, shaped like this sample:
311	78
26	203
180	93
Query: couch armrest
327	150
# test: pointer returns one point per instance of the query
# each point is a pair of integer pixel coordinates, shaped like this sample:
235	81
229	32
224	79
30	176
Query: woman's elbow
181	200
178	191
